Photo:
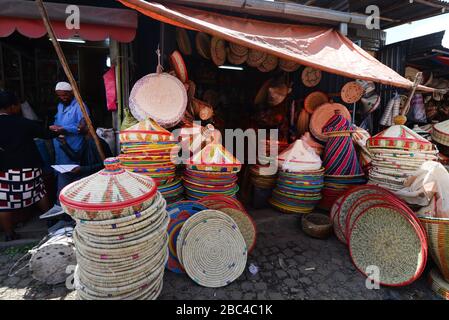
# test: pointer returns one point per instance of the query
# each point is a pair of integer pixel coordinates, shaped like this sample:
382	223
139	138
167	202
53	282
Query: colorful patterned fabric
20	188
340	157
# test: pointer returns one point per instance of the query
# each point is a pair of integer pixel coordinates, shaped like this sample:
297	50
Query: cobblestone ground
291	266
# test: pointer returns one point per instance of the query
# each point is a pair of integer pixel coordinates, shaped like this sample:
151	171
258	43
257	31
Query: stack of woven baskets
383	235
440	135
264	173
300	180
121	234
213	170
342	167
148	149
396	153
212	249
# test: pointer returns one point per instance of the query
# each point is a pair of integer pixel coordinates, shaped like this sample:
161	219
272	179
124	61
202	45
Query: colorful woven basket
110	193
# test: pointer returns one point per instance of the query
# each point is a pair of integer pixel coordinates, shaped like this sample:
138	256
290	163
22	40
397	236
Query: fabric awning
322	48
96	23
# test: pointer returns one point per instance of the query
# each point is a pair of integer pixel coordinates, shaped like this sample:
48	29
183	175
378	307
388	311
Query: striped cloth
340	157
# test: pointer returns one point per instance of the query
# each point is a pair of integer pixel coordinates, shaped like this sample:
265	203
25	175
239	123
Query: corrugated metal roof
393	13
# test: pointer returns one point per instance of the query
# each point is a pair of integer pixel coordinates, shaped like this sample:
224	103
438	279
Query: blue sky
420	28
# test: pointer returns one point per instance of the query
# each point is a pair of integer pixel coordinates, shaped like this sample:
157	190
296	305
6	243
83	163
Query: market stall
229	72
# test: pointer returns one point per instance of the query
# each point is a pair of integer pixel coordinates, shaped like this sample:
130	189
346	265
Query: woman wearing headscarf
21	183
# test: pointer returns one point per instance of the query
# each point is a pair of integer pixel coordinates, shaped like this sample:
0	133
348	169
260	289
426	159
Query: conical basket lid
214	154
111	188
299	156
148	125
399	137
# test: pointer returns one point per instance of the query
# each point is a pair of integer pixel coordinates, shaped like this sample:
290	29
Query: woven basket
49	261
317	225
438	237
198	218
214	253
246	225
110	193
386	237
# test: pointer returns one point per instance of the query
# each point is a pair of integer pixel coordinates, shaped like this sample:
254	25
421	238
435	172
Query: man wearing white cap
66	123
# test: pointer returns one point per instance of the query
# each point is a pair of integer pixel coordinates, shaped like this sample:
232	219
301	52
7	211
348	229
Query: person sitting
88	157
21	183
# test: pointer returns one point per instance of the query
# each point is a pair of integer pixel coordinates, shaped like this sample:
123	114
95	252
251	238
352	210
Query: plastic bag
429	183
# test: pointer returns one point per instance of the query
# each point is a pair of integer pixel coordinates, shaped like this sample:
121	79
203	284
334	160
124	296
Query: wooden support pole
69	75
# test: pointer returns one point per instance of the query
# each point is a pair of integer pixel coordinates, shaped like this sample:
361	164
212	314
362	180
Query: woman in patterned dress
21	183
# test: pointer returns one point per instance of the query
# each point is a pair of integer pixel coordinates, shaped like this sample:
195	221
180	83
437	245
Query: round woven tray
214	253
246	225
197	219
385	237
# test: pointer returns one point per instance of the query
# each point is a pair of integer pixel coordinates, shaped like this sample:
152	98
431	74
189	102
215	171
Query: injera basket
438	239
388	238
214	253
110	193
438	284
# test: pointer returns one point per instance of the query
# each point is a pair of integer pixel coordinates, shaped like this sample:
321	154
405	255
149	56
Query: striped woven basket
438	239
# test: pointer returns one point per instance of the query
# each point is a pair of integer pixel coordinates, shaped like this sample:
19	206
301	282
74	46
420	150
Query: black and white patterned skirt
20	188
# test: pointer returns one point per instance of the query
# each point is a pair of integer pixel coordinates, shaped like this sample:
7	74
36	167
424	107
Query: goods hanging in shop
121	234
159	96
149	149
212	249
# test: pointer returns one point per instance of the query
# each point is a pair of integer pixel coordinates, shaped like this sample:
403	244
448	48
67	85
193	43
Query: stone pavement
291	266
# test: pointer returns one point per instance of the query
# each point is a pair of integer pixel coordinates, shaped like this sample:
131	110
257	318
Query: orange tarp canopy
323	48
